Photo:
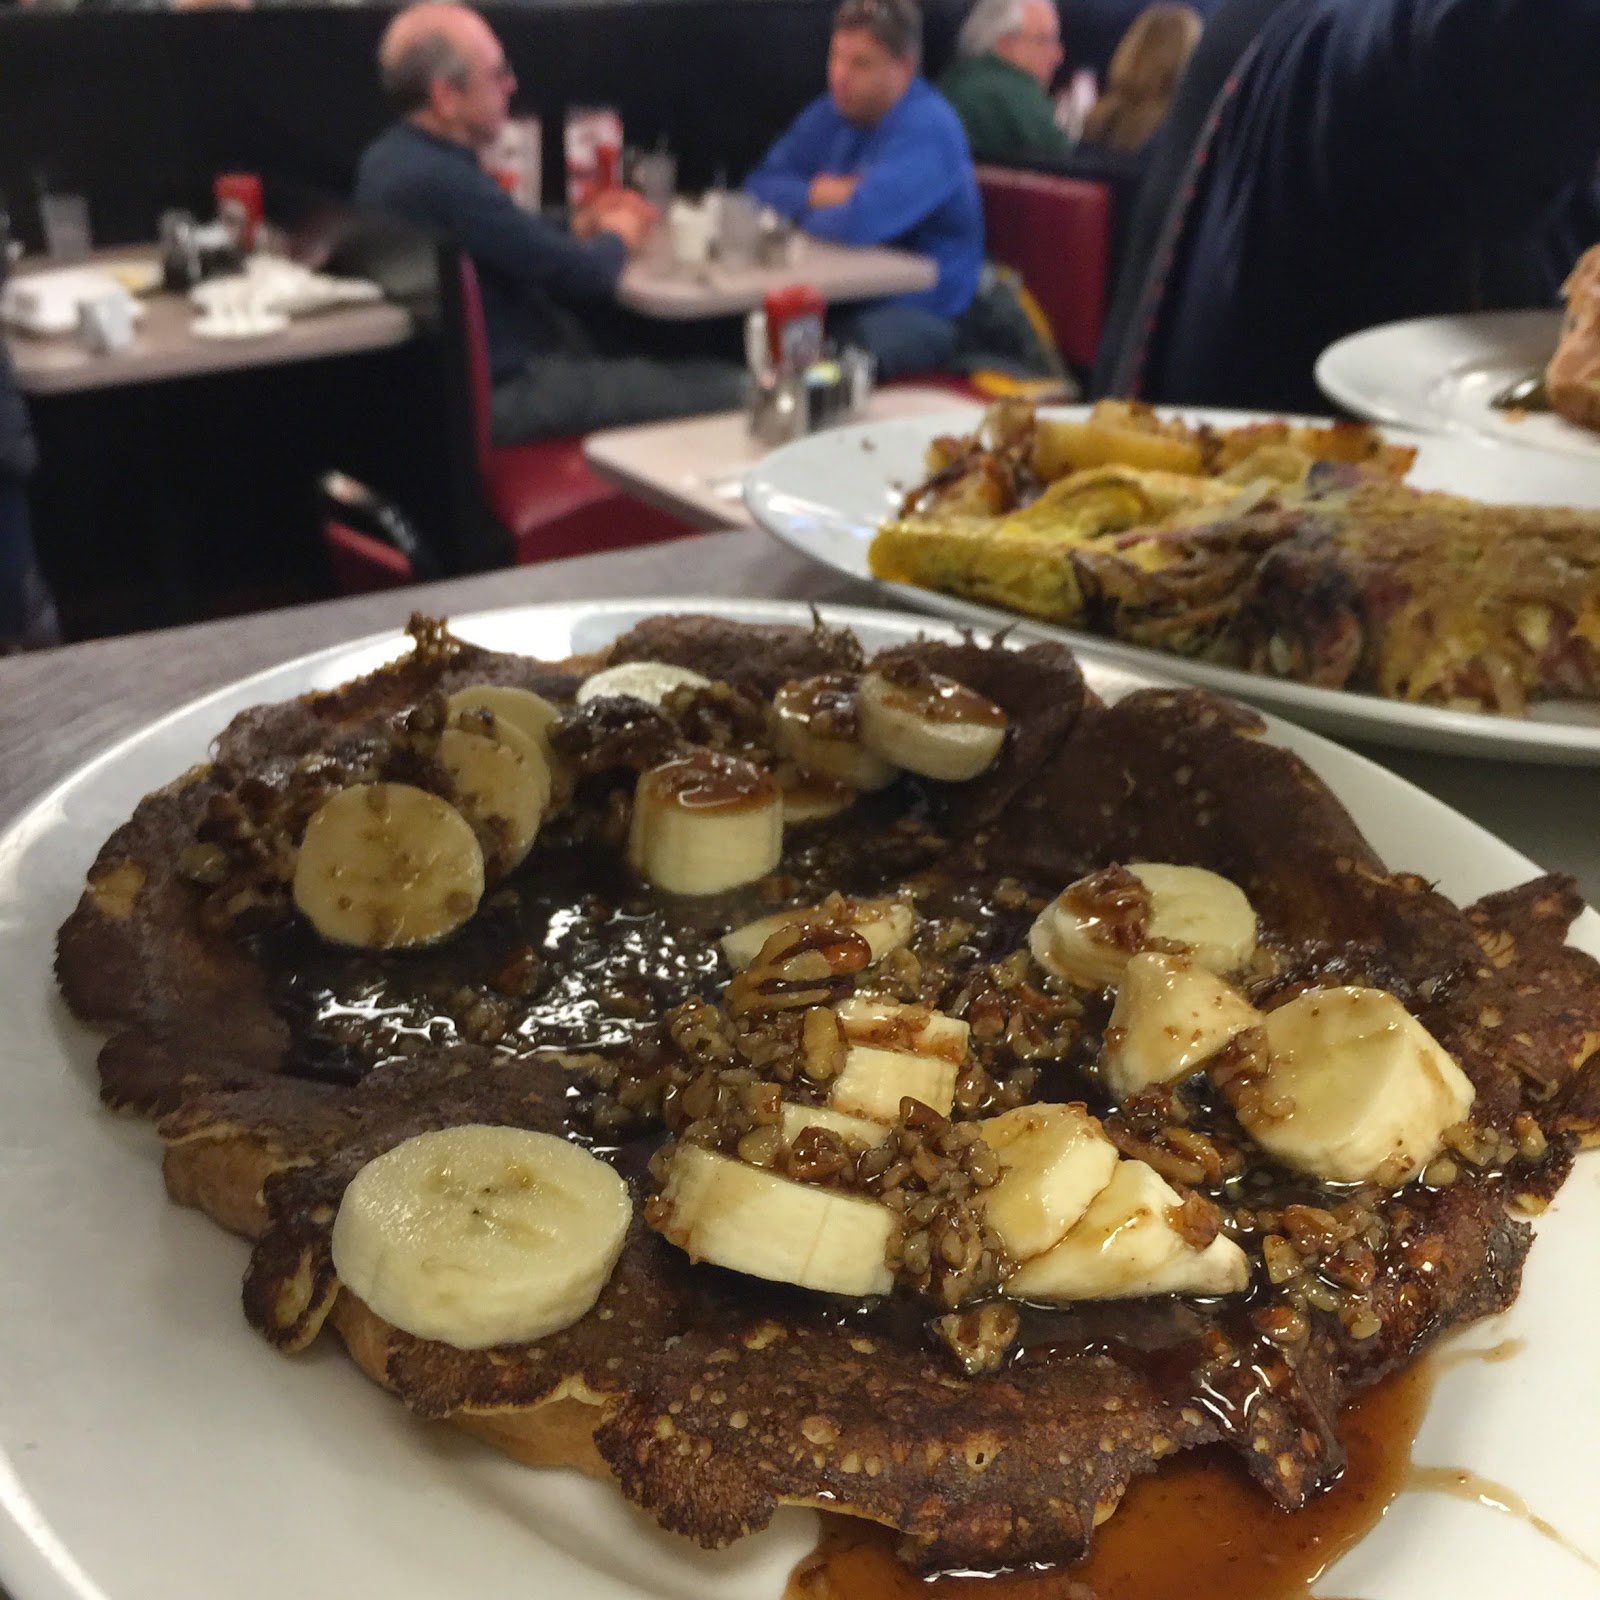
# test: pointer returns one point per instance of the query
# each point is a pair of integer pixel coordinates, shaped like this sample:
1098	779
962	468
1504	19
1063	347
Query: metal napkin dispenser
788	405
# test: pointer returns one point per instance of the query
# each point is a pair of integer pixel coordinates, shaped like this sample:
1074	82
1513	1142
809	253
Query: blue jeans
903	338
557	396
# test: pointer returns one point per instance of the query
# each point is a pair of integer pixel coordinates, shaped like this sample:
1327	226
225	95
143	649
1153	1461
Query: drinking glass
654	173
65	220
738	230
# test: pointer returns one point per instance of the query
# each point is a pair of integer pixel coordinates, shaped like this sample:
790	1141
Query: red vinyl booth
1055	234
543	493
543	498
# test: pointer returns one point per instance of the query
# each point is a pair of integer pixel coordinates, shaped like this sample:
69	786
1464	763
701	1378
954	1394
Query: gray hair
895	24
408	76
988	23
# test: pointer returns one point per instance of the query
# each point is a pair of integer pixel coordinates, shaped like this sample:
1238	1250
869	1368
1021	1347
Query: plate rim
1414	410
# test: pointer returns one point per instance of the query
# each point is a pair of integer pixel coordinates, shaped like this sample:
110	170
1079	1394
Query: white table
654	287
694	469
163	346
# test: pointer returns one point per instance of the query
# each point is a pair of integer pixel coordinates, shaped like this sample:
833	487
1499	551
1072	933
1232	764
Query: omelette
1293	552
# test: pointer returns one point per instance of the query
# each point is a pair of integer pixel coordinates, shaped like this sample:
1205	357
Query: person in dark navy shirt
1345	163
445	72
881	159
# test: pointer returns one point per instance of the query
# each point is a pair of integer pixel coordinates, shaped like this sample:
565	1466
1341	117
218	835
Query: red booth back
1055	233
543	492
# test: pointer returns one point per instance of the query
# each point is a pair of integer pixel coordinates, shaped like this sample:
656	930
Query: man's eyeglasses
499	73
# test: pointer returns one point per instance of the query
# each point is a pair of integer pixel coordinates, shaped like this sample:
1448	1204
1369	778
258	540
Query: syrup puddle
1470	1486
1486	1492
1198	1528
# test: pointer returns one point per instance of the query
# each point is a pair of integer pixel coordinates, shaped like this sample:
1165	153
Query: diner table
60	708
655	286
165	347
120	466
693	468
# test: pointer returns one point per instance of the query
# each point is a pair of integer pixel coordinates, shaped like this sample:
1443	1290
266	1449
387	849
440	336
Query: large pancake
713	1399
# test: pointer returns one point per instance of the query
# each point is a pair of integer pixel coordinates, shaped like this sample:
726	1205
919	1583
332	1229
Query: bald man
447	76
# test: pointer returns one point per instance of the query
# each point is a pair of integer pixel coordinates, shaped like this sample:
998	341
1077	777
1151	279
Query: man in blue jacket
881	159
445	72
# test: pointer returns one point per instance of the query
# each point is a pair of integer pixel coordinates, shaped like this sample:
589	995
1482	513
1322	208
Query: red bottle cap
794	325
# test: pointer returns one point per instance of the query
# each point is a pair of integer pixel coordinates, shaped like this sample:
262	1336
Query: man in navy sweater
447	76
881	159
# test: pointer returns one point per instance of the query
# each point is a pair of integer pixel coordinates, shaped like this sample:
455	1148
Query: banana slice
873	1082
814	724
480	1235
753	1221
640	680
807	798
860	1131
884	924
704	823
1201	910
1089	931
1054	1160
1171	1014
1221	1268
506	708
928	723
891	1026
501	787
1125	1245
1356	1087
384	865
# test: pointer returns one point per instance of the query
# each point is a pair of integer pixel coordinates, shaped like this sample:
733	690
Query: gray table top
60	707
165	347
837	272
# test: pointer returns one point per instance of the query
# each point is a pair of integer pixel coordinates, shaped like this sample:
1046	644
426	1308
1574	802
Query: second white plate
826	494
1440	373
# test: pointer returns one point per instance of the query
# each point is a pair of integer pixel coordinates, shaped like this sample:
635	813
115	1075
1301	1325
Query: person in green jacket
1006	55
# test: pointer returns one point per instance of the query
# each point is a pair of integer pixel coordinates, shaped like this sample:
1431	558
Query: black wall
139	110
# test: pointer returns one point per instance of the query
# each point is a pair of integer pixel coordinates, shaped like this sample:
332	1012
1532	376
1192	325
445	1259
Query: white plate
152	1447
825	495
1440	373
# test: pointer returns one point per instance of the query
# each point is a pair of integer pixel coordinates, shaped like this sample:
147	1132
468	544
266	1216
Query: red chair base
362	564
550	502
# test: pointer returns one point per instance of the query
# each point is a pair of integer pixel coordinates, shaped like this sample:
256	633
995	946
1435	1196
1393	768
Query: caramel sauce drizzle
1473	1487
1198	1527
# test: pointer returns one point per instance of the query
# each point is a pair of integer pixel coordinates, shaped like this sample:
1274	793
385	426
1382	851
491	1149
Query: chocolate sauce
936	698
569	953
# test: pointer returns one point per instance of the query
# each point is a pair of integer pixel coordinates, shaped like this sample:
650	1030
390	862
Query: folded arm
908	178
783	180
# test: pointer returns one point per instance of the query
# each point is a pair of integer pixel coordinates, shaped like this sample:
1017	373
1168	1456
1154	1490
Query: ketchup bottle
794	327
